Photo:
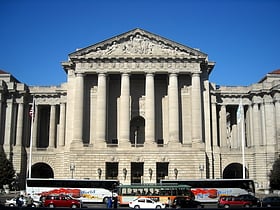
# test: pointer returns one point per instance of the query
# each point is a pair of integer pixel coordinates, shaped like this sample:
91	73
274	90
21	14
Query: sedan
271	201
145	203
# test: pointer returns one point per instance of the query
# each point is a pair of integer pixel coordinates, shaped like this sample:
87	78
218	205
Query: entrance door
136	172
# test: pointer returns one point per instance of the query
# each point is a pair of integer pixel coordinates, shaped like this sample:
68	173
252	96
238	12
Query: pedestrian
29	201
109	203
169	203
20	201
115	202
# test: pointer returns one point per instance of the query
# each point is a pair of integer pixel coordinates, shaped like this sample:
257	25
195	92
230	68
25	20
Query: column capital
79	74
196	74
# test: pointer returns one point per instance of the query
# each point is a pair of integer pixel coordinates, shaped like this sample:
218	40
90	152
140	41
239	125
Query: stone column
101	109
61	138
256	123
270	120
223	126
8	122
19	125
1	117
35	126
124	117
78	110
173	108
196	109
150	109
277	117
52	127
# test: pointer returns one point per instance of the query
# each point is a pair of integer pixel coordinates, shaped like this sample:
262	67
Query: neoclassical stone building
139	108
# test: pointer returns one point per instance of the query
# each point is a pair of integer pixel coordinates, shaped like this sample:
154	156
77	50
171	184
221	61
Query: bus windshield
157	192
84	189
209	190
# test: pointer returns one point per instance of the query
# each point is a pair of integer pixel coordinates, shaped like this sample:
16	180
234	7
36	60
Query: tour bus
158	192
209	190
85	190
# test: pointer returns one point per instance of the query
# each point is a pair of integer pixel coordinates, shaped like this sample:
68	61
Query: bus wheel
105	200
137	207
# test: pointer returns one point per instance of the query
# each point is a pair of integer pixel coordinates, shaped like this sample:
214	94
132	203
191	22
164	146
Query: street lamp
72	169
201	169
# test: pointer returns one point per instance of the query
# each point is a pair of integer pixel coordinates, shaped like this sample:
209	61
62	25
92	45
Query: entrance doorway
41	170
234	171
112	170
137	172
162	171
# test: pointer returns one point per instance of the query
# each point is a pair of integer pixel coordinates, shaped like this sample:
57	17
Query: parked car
183	202
12	203
270	201
248	197
145	203
233	201
52	201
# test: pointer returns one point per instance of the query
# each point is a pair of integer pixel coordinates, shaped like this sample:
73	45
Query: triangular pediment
137	43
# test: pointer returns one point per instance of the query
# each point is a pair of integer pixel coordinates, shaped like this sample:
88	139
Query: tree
7	172
275	175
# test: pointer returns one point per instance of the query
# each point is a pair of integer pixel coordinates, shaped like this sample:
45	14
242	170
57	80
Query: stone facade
139	108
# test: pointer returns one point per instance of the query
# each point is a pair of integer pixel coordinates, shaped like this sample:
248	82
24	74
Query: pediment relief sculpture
137	45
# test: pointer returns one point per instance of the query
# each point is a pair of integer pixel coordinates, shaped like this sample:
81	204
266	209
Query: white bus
209	190
84	189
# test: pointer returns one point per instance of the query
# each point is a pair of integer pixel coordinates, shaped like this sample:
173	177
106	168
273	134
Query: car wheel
199	206
226	206
268	205
33	205
137	207
51	205
11	205
158	207
247	206
74	206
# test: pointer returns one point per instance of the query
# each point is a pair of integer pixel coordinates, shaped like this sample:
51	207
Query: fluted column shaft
52	126
173	108
256	124
8	122
196	109
223	126
79	105
19	125
61	139
101	108
35	127
124	118
150	109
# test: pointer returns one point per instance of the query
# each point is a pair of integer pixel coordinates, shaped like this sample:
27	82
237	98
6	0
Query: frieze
137	66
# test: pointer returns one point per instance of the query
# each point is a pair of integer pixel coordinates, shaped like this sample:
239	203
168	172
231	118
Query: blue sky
241	36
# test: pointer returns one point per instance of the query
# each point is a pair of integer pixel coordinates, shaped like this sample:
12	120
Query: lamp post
201	169
72	169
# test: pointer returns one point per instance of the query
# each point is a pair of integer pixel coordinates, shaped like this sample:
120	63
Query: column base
77	143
